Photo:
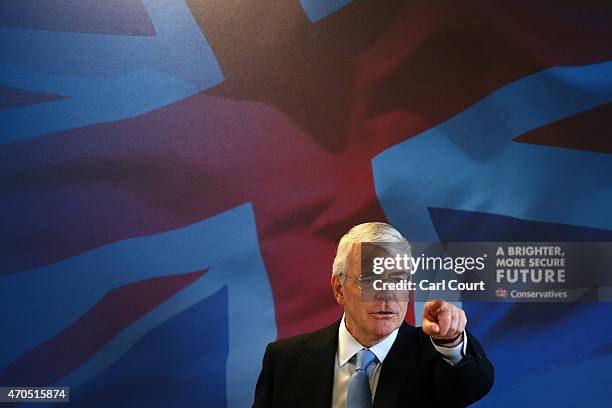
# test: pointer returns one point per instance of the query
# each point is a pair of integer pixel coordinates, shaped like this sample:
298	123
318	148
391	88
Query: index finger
432	307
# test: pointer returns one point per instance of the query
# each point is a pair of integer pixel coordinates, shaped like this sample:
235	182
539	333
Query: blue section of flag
104	77
470	162
180	363
317	10
536	344
457	226
583	383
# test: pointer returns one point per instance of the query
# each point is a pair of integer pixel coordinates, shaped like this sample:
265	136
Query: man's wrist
449	342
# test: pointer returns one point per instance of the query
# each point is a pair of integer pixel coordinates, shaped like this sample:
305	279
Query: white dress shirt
345	361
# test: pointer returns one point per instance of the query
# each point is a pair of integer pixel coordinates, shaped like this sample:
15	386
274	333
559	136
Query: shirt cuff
452	355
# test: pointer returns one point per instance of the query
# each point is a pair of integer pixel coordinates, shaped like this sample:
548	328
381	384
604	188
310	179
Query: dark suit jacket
299	372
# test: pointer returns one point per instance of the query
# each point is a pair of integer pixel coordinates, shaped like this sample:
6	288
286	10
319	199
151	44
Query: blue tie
359	394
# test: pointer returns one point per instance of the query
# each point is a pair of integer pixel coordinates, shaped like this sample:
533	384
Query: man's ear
338	289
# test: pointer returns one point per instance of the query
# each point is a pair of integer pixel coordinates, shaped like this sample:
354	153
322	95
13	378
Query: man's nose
383	295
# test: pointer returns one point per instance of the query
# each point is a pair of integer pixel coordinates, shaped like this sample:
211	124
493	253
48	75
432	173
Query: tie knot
364	358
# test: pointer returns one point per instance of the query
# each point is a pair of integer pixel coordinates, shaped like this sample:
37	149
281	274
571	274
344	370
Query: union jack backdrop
175	175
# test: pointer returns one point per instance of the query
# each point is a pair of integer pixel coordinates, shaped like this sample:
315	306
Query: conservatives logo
501	293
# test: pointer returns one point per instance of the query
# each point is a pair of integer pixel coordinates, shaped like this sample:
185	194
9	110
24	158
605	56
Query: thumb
430	328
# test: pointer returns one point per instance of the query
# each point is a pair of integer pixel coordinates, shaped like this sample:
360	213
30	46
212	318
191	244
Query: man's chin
384	327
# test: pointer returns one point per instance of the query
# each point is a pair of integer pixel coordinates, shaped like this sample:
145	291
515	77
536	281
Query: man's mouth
383	314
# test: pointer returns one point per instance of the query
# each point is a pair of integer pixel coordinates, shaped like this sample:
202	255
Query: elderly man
371	357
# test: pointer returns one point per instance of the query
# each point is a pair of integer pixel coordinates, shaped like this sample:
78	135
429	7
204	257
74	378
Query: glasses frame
361	279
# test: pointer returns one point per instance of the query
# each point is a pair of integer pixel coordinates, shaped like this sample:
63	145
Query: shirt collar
348	346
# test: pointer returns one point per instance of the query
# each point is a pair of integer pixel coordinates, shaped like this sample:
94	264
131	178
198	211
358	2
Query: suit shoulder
303	343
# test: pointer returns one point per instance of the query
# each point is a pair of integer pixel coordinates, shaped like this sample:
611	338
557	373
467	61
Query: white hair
366	232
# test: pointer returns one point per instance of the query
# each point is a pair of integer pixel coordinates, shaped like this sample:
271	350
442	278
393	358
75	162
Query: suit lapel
398	367
316	369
